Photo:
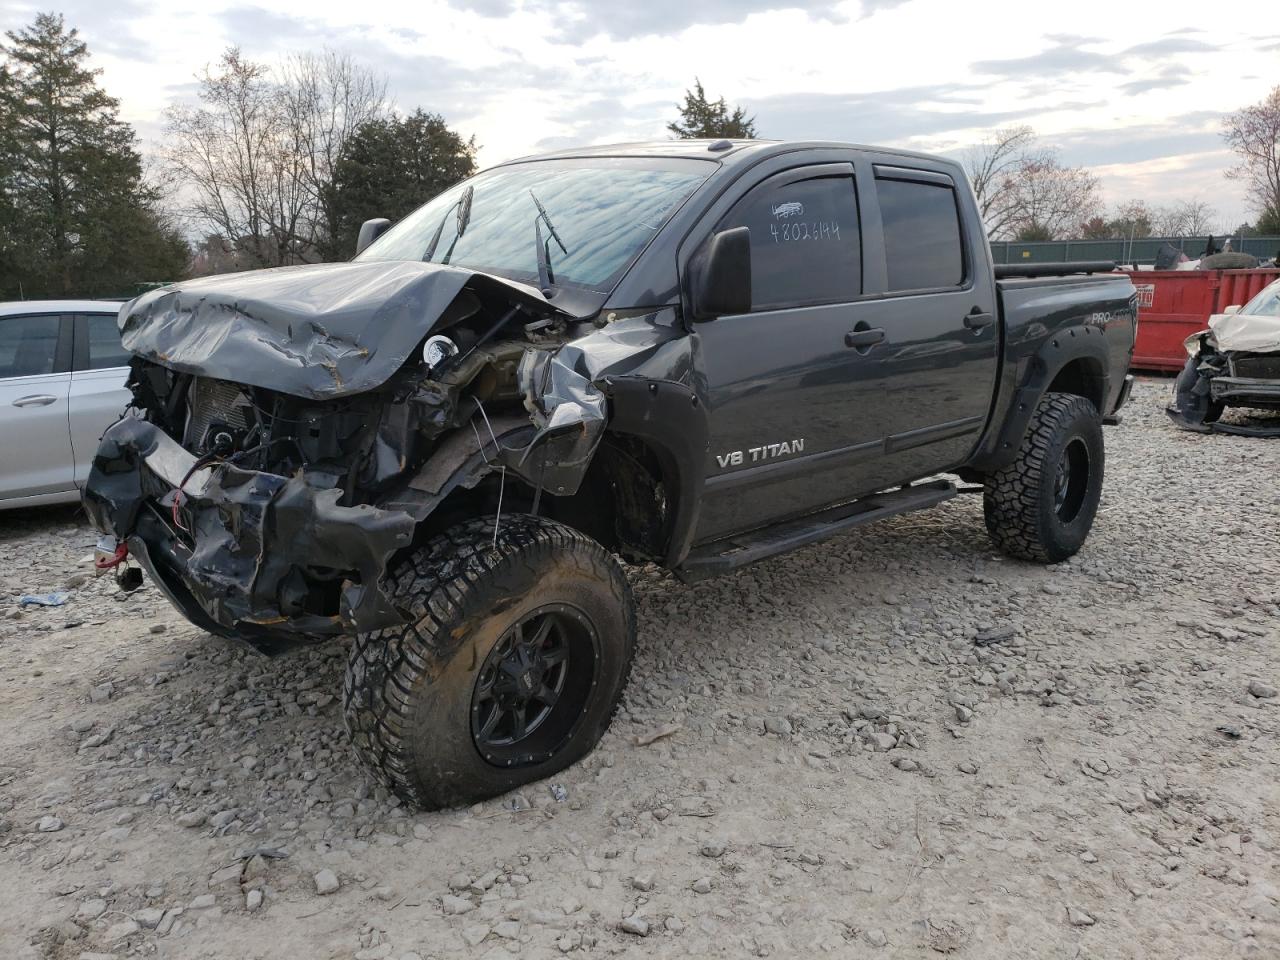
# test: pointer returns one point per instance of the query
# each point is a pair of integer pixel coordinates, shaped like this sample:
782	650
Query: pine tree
81	221
392	166
704	119
9	239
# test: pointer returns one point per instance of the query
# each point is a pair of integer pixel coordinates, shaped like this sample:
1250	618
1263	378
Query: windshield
604	210
1266	303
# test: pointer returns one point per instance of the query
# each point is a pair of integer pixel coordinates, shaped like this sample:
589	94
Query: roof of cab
736	150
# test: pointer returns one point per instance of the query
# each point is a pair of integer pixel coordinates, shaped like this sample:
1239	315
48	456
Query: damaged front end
244	553
1216	378
271	465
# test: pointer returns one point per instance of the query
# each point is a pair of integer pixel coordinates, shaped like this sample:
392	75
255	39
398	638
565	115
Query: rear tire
510	669
1041	506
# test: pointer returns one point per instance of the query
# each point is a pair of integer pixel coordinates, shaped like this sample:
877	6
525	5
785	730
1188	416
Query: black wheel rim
1071	482
534	686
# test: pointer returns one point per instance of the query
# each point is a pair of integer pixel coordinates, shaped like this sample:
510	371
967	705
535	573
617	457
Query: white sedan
62	376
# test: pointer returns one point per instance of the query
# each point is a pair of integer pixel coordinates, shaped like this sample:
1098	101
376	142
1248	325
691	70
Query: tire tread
1011	498
434	583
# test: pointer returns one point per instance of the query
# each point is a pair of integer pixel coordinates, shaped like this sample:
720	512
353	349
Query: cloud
1183	177
1065	57
889	116
107	27
1068	56
1168	46
254	27
1194	132
580	20
607	118
1166	79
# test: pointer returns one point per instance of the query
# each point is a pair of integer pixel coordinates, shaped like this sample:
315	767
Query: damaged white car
1235	363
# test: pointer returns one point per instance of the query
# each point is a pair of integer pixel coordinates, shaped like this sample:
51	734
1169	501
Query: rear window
923	246
105	349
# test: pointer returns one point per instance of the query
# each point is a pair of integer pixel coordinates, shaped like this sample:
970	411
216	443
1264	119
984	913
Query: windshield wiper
546	279
463	207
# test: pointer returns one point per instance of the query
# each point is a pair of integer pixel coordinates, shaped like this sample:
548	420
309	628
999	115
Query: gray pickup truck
696	354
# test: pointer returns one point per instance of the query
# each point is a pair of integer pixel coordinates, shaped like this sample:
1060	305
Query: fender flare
1067	345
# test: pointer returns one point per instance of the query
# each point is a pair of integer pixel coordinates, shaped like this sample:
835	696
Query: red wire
119	557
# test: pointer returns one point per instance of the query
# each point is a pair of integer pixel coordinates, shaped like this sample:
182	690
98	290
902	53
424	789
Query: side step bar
738	551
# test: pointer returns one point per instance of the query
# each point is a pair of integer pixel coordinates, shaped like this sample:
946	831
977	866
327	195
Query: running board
731	553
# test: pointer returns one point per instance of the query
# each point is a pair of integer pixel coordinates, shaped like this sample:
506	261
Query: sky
1135	92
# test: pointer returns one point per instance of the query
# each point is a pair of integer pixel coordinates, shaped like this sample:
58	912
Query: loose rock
326	882
635	924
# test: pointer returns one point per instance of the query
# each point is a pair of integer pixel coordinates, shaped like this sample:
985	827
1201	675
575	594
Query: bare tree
257	153
1254	134
1024	192
1186	218
327	97
227	151
992	166
1134	219
1051	201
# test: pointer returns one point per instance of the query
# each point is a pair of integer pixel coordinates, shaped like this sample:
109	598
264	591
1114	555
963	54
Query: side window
28	345
923	247
805	244
105	349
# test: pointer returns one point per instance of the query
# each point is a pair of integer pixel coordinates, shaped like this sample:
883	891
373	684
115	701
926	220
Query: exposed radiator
212	402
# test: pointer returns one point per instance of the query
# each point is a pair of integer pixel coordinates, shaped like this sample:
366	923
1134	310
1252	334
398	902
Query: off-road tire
408	695
1019	501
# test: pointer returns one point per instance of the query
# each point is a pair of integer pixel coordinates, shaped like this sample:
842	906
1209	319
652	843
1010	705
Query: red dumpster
1173	304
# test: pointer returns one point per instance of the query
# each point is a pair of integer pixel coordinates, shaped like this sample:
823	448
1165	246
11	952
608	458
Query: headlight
437	350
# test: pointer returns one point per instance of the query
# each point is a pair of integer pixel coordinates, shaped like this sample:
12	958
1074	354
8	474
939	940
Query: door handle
977	319
35	400
862	339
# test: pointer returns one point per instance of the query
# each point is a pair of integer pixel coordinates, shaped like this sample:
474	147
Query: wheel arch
1072	361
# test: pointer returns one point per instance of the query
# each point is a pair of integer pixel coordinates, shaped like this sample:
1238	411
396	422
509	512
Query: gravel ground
895	744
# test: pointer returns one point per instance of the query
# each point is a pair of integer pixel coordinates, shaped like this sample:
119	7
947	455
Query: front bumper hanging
268	559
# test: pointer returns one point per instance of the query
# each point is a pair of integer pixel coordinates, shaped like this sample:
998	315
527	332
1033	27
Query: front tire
1041	506
510	669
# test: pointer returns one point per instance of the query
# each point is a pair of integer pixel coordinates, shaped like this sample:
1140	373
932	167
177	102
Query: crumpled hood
1245	333
318	331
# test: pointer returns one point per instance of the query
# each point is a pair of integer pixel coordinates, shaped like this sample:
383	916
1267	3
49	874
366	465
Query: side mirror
720	275
370	231
1234	308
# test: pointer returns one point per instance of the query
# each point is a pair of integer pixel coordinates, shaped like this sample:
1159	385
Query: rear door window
105	349
923	247
805	242
28	345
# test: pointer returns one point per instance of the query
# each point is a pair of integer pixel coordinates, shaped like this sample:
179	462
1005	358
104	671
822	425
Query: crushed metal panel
317	331
1245	332
569	413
